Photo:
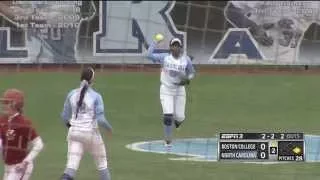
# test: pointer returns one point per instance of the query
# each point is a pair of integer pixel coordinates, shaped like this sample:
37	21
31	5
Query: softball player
83	111
177	71
19	141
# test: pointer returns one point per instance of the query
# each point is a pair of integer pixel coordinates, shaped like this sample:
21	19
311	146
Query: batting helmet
14	96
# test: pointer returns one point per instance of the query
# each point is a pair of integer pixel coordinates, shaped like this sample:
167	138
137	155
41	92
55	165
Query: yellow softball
159	37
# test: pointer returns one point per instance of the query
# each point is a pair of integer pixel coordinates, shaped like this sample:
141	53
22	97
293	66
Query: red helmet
14	96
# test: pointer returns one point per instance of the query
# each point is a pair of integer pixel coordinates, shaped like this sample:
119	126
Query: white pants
173	101
10	172
90	141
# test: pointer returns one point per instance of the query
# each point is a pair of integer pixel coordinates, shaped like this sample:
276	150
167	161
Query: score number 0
262	154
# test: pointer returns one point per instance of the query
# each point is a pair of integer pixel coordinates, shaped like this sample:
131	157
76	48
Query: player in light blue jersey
176	72
82	113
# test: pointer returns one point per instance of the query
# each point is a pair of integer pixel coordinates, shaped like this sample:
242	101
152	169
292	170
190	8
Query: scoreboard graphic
261	147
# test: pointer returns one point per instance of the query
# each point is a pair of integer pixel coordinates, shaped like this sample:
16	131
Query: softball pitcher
176	72
83	111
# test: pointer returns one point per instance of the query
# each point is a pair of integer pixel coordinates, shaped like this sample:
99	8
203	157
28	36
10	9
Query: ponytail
86	78
84	86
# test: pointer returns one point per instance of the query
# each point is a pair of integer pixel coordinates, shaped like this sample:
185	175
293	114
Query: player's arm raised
156	57
100	114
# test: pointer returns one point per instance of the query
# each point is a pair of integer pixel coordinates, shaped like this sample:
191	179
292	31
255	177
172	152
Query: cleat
168	146
177	124
66	177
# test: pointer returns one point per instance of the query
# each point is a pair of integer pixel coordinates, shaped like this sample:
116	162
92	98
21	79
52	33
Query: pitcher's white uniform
172	96
84	134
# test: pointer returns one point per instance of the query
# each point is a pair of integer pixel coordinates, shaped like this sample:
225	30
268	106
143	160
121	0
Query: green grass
215	104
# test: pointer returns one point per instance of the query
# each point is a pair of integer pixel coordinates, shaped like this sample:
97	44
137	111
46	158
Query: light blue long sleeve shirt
94	108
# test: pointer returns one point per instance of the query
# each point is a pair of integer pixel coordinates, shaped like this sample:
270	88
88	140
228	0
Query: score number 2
264	136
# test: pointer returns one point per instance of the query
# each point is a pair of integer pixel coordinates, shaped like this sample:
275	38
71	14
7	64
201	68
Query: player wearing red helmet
16	135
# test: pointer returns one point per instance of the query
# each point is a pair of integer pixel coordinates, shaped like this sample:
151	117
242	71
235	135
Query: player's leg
5	173
179	107
75	152
167	102
11	172
8	172
98	151
27	173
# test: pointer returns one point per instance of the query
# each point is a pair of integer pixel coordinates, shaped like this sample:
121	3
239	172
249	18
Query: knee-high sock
168	132
168	126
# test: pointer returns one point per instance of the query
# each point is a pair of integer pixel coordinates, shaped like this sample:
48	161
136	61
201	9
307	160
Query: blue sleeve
155	57
100	115
67	111
190	69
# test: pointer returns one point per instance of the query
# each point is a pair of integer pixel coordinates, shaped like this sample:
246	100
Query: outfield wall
119	32
155	68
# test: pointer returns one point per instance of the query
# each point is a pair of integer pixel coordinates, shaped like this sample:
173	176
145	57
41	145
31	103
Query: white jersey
90	113
301	13
173	70
86	116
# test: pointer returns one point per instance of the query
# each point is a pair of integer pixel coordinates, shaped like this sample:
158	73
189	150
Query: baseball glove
183	82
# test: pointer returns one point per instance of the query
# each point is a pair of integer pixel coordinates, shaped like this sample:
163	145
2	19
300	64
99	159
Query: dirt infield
211	69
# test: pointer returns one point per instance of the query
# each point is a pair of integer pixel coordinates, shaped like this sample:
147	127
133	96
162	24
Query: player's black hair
87	76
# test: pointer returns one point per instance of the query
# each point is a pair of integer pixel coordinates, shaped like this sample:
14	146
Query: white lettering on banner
127	27
50	29
276	31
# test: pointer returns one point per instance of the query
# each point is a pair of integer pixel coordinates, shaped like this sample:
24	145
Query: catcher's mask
12	101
